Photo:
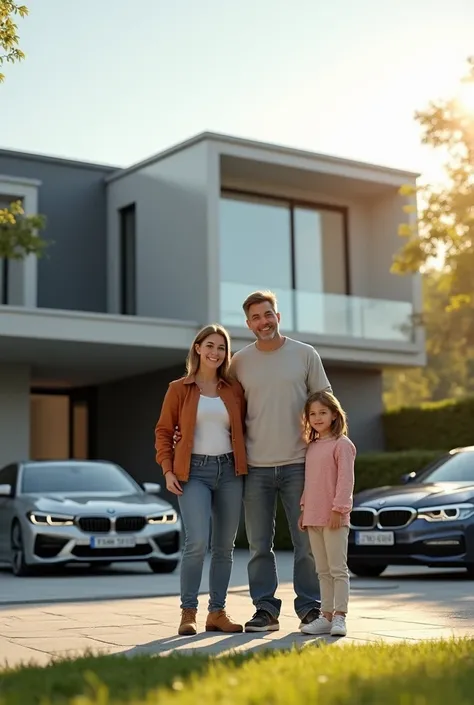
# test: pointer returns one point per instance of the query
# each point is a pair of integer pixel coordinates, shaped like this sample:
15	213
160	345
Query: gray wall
127	414
14	413
72	196
360	393
172	210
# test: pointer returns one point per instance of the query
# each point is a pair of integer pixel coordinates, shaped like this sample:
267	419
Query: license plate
375	538
113	542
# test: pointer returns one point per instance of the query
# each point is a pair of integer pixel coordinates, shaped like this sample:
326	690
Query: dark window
8	476
84	478
128	249
5	273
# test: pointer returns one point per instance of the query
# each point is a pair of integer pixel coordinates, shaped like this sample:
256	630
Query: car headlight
447	512
41	519
165	518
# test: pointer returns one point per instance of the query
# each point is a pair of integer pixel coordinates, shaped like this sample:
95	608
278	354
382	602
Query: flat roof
14	154
254	144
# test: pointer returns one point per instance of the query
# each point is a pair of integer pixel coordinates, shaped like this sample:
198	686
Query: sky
116	81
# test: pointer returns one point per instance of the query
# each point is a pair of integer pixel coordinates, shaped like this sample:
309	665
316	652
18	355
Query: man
277	374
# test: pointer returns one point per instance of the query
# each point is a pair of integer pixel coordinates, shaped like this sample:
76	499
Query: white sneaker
338	625
321	625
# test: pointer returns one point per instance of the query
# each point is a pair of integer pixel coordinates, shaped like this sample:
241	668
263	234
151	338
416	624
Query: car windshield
455	468
76	477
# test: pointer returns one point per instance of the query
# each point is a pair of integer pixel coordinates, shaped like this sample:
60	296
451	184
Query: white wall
172	198
14	413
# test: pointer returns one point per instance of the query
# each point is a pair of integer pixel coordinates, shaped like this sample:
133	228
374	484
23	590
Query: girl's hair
338	426
193	360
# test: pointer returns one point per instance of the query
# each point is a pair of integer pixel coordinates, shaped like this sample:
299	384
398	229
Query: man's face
263	321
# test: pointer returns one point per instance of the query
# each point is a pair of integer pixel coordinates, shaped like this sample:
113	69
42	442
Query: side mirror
152	487
408	477
5	490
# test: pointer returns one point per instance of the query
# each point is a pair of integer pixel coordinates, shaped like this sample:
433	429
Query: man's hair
260	297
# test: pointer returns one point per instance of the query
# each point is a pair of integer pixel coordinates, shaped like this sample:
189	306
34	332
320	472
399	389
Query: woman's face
212	351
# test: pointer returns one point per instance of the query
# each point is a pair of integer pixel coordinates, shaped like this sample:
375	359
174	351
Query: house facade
141	258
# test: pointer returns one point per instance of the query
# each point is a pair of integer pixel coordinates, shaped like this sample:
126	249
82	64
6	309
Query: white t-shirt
212	432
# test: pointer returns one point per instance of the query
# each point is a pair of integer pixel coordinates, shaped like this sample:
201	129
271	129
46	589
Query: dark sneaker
262	621
310	617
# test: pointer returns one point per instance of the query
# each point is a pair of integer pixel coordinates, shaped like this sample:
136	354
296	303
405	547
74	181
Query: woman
205	470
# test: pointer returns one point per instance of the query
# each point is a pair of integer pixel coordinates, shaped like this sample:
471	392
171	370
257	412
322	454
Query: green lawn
427	673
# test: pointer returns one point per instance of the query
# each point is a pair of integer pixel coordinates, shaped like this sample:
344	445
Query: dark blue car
428	520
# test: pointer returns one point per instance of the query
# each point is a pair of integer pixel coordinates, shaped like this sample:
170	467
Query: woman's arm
165	428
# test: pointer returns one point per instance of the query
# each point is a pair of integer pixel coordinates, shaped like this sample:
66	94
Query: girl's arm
165	428
345	454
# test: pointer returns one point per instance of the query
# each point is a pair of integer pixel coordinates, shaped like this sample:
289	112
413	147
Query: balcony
331	315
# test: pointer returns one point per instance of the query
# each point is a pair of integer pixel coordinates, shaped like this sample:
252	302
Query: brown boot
220	622
188	625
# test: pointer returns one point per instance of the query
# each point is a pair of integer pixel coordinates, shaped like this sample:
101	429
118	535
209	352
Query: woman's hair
193	360
338	426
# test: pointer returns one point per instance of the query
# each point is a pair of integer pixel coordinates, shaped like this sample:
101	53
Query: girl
325	507
205	470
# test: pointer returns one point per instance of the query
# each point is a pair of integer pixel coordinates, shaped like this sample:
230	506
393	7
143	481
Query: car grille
168	543
362	519
94	525
130	524
48	546
395	518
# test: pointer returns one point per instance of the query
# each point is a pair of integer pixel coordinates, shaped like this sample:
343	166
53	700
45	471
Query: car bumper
420	543
45	545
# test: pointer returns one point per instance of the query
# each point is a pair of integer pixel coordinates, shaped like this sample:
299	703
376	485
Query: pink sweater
329	480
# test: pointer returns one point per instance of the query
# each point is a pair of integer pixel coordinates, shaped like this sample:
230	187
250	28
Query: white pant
329	547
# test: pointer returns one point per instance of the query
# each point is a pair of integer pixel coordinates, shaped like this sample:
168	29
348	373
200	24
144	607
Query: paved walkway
394	608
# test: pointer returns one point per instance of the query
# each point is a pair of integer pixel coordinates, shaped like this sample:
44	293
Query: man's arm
317	380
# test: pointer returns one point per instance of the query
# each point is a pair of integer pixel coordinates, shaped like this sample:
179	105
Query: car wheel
365	570
20	567
163	566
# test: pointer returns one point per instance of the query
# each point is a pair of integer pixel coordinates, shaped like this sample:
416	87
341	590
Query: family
260	424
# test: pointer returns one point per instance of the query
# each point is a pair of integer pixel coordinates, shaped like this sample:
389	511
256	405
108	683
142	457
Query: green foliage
9	49
433	672
446	216
449	372
371	470
445	424
19	233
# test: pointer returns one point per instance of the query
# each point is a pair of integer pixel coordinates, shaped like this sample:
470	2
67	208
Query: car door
8	476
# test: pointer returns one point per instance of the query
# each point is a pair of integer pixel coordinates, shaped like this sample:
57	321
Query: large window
128	303
297	251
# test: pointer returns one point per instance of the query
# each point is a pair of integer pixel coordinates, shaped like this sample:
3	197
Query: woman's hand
300	523
172	484
335	522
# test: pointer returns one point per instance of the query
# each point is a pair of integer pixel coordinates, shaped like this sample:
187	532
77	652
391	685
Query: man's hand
335	522
172	484
177	436
300	523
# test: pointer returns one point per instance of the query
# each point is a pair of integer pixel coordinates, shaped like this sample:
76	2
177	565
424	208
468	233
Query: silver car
75	511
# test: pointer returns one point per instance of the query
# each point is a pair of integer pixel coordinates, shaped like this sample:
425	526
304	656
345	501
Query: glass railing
326	314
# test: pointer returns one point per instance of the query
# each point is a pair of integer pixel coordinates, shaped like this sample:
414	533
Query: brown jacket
180	409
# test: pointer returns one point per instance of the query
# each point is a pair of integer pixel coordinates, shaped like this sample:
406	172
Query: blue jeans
260	501
213	494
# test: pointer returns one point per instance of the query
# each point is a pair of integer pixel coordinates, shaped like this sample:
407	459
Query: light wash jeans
260	501
212	495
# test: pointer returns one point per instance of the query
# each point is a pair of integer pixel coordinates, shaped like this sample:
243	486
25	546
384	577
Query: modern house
141	258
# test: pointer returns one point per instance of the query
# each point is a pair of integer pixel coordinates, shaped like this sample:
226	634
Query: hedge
371	470
432	425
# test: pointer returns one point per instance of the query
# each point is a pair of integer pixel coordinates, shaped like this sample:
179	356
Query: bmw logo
110	511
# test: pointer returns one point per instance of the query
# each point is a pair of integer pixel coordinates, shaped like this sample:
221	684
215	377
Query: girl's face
212	351
321	418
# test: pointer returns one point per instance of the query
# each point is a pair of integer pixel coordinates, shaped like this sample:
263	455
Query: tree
446	212
9	40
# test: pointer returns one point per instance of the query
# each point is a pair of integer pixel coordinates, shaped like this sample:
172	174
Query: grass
424	673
